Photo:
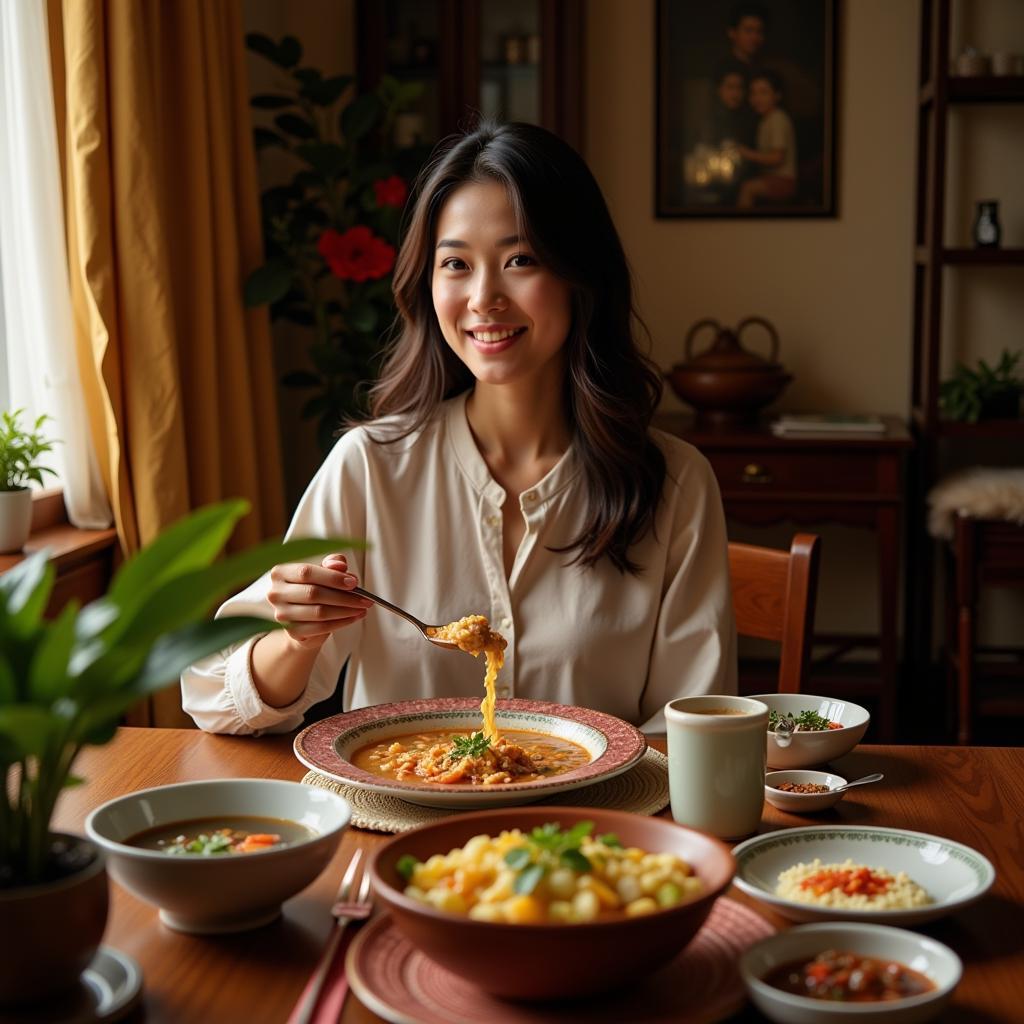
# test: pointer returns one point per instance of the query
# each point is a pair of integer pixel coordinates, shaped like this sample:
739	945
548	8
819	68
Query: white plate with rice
924	876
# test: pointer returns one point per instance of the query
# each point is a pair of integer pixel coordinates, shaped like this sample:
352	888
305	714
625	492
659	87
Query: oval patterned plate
404	986
952	874
325	747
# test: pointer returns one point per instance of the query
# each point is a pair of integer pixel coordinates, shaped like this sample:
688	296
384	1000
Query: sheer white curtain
42	369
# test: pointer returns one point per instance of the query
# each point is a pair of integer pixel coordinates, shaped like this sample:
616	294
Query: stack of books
806	424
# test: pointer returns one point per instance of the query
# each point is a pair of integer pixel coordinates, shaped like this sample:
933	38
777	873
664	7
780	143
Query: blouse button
493	520
530	496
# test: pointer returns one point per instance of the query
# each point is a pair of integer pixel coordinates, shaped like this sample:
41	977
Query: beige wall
838	290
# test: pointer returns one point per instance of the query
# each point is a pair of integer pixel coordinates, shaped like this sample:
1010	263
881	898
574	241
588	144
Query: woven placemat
642	790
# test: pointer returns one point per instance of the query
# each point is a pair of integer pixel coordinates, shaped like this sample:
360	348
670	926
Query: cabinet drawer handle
755	473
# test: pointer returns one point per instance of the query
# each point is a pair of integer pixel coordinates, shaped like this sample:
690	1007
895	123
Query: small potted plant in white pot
20	452
64	684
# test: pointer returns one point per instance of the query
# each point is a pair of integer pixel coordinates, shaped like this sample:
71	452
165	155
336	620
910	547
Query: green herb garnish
518	858
406	865
610	839
475	744
528	879
204	844
806	721
550	847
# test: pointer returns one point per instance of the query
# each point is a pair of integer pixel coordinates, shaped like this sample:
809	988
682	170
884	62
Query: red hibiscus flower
356	255
390	191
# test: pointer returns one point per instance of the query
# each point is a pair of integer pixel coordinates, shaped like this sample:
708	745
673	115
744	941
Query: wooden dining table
974	795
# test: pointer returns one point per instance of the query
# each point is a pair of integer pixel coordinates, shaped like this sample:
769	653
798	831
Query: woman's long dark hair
611	387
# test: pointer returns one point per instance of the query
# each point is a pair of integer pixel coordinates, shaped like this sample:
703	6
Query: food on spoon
473	634
549	876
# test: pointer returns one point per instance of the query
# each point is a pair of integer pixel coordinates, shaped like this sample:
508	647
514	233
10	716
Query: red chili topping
852	881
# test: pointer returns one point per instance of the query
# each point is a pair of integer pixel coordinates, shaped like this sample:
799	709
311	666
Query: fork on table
352	903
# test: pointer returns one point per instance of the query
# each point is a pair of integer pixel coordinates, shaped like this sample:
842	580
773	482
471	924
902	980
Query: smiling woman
509	469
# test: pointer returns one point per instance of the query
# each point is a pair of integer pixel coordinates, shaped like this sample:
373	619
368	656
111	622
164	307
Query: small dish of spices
802	791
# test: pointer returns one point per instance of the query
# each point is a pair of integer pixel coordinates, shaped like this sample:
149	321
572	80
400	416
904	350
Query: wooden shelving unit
456	59
939	94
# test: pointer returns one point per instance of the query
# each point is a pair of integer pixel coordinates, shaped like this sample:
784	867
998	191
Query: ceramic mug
716	763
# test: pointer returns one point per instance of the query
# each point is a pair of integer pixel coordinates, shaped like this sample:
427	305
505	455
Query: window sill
69	547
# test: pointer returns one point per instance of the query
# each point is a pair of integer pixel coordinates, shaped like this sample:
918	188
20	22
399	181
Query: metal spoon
863	781
421	626
784	731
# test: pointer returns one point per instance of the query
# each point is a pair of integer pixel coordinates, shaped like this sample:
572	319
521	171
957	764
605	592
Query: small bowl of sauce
832	972
801	791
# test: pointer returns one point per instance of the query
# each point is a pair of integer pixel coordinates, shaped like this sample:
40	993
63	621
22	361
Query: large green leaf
173	653
324	92
190	543
269	101
261	44
296	126
188	597
48	675
27	728
360	116
25	591
267	284
327	158
289	52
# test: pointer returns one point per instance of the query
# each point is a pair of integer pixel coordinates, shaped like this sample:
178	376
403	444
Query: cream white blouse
431	514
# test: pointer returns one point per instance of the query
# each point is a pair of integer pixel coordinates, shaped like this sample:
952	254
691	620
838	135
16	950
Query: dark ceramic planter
51	931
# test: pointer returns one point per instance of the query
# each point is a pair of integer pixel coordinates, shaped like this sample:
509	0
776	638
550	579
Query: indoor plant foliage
21	451
331	233
989	392
65	683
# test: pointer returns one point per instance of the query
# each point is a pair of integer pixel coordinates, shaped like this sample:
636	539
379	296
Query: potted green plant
20	454
331	231
985	393
64	684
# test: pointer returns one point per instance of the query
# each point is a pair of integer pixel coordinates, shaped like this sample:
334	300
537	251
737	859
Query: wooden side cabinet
514	60
851	480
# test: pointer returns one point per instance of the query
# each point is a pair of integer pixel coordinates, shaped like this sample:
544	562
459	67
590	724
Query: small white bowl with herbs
805	730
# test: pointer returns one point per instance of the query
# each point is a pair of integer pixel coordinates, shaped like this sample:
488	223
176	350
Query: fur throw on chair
979	493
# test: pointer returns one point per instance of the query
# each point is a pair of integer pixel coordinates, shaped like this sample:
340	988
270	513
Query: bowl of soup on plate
552	902
443	752
221	855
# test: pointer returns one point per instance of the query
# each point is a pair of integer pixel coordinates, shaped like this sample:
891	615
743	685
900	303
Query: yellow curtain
163	226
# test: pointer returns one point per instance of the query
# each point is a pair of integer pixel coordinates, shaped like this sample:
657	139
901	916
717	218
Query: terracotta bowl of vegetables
523	949
824	728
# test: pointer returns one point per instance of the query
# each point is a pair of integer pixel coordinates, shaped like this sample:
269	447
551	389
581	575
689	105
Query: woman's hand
315	599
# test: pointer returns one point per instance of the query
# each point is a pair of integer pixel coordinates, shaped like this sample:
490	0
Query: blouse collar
472	463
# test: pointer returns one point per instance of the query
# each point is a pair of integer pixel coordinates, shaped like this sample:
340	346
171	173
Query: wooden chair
984	552
773	599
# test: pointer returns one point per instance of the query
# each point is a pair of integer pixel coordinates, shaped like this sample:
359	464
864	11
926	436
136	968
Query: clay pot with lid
727	384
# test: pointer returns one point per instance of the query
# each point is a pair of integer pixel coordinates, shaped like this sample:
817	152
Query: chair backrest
773	599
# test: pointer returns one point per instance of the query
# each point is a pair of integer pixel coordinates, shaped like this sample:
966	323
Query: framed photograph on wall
746	108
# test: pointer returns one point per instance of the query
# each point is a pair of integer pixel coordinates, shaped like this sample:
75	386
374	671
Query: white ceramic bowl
808	749
326	747
937	962
952	874
229	892
802	803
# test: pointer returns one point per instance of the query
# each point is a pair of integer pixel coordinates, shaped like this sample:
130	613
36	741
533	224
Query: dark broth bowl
551	961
